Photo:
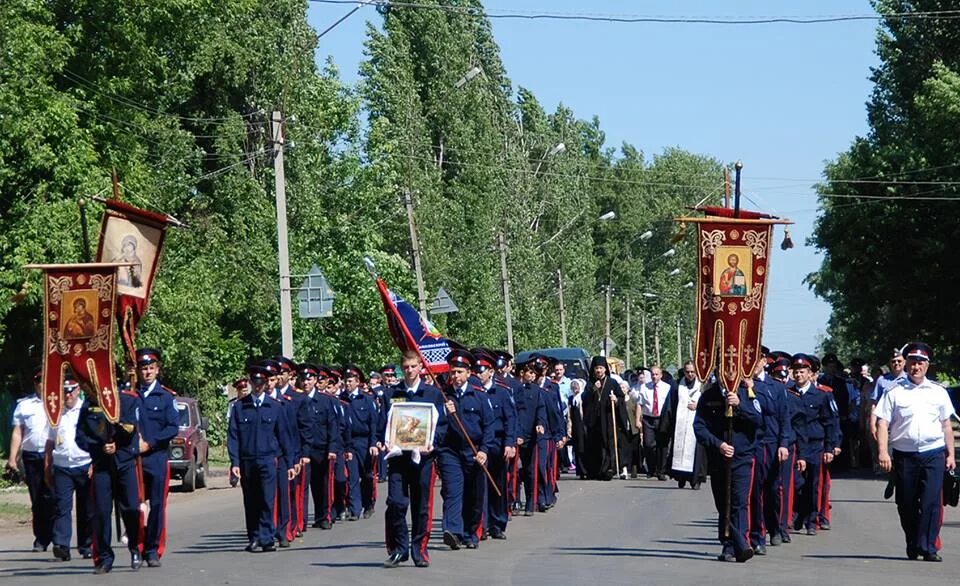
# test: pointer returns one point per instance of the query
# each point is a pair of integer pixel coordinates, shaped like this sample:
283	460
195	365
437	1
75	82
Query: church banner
732	277
79	302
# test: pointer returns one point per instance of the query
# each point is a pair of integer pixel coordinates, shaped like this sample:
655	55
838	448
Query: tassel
787	242
681	232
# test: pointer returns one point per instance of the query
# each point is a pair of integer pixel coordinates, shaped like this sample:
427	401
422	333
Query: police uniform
31	419
257	441
463	479
813	423
712	428
116	475
916	415
531	439
159	423
364	422
70	473
410	482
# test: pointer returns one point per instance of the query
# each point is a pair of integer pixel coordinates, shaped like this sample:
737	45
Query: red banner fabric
734	259
79	303
409	331
131	235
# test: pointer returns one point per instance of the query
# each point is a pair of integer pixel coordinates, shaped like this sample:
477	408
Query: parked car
575	360
188	451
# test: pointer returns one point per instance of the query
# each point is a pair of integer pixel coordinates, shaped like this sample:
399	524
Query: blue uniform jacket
711	425
425	394
813	420
556	422
777	429
159	418
475	413
531	411
504	414
94	430
364	421
257	433
325	436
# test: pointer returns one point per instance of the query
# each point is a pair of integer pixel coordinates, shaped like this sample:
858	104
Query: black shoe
61	553
888	491
528	513
681	483
367	513
351	517
263	547
932	557
912	553
299	534
786	538
760	550
661	477
825	525
284	542
633	475
317	524
422	563
744	556
38	547
775	540
484	535
695	486
395	560
135	560
497	534
153	562
726	556
86	554
103	568
472	545
251	547
451	541
325	525
811	530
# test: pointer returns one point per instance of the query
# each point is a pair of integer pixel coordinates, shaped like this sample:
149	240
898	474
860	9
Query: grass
217	456
14	512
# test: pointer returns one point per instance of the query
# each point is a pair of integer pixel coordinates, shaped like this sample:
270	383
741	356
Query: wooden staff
728	466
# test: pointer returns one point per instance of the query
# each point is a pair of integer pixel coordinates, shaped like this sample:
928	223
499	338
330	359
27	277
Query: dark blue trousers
156	485
258	478
410	486
339	485
787	475
110	482
41	498
66	483
321	488
462	492
358	468
919	497
495	518
765	495
741	474
808	492
532	453
281	503
304	483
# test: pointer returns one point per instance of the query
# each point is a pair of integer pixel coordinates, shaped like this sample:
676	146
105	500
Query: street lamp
474	71
669	252
646	236
611	215
673	273
688	285
650	295
554	150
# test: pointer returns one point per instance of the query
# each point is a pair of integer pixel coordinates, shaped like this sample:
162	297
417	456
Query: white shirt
646	398
66	452
34	425
915	414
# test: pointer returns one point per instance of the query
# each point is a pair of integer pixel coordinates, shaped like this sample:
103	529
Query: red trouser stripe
426	539
536	470
746	531
330	487
376	475
91	498
163	521
141	514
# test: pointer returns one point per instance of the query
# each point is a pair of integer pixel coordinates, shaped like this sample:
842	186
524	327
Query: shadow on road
217	542
53	571
853	556
682	554
348	564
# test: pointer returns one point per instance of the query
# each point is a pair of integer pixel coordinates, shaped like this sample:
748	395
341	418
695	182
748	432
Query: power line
384	6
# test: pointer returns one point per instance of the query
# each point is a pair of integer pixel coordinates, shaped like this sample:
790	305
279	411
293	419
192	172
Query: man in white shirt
29	436
68	472
653	399
914	418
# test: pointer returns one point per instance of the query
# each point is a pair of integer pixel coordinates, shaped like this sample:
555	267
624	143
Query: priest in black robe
604	414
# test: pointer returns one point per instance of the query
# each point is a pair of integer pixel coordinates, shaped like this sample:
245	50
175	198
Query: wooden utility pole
505	280
606	321
627	358
283	255
656	339
643	335
679	346
415	246
563	310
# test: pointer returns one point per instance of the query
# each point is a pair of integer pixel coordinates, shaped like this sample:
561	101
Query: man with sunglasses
28	438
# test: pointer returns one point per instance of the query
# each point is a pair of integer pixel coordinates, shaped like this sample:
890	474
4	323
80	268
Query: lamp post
552	151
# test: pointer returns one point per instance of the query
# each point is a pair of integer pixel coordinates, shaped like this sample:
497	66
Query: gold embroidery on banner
104	286
757	241
752	301
57	285
100	340
709	241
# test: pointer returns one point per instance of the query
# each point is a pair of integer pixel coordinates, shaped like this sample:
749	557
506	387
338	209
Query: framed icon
411	426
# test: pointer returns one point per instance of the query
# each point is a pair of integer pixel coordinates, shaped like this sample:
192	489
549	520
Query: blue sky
783	98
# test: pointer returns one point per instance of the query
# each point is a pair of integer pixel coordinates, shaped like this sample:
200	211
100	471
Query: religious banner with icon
134	237
733	270
79	302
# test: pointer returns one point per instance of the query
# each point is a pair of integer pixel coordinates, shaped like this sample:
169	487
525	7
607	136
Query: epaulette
130	393
824	388
794	391
286	397
501	384
342	402
477	388
169	390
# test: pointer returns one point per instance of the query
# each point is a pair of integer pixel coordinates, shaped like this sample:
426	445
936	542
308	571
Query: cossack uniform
775	438
531	438
364	422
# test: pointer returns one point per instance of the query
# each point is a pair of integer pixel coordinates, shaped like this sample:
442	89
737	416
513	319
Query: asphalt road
635	531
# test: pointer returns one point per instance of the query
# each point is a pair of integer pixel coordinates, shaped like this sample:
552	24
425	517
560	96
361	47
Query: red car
188	451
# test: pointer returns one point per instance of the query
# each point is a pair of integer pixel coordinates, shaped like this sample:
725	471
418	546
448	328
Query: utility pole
656	338
415	245
283	255
627	362
643	335
679	345
563	310
606	320
505	280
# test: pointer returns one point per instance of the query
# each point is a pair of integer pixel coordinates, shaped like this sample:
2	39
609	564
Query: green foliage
888	268
178	97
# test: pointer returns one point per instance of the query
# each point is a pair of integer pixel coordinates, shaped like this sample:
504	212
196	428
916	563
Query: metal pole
627	361
606	321
415	246
505	279
656	338
679	345
563	310
643	335
283	255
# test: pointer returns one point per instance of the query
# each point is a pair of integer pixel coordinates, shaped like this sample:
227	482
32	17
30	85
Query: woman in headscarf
575	426
604	414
